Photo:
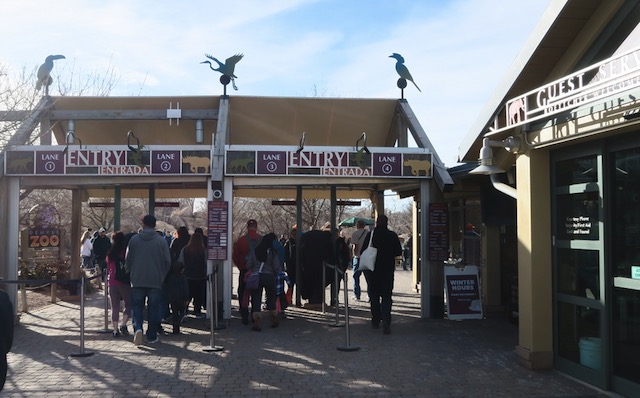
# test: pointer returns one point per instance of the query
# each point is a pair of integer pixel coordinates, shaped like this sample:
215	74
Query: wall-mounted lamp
362	138
511	144
134	149
199	132
71	139
301	146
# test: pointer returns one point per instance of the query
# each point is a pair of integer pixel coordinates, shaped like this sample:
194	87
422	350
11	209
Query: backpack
122	272
250	258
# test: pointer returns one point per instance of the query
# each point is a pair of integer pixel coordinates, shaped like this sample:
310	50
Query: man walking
381	279
149	261
101	246
244	246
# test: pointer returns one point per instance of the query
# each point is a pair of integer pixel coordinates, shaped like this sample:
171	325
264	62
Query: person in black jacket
381	278
7	317
177	294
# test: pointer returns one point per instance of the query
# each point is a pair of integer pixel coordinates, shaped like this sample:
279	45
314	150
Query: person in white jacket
86	249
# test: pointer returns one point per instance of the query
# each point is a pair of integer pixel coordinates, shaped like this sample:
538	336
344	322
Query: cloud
457	51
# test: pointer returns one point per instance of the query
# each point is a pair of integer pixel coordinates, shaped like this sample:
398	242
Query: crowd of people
275	262
144	268
167	275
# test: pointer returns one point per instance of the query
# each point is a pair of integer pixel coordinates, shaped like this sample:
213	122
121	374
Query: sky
456	50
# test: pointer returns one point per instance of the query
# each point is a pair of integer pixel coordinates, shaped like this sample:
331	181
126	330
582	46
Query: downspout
502	187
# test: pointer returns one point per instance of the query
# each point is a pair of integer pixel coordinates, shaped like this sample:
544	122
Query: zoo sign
40	238
328	162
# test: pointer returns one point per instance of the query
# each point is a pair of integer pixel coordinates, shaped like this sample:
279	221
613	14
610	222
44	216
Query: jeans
268	283
356	277
138	296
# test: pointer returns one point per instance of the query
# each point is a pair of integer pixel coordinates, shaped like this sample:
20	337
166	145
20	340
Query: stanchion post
213	289
348	347
23	295
82	352
54	289
334	296
106	306
324	284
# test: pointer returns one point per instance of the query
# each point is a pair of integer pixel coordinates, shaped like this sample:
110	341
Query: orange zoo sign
39	238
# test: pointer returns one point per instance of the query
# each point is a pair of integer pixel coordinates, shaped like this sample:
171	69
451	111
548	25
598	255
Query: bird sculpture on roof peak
402	70
227	68
44	73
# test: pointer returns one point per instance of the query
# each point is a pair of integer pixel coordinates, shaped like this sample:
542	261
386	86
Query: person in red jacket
242	249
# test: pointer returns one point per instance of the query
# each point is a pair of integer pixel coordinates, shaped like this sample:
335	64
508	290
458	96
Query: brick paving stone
421	358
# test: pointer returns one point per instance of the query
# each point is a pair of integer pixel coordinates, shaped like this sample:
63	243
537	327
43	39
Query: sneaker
152	341
184	319
356	298
137	337
199	315
115	333
124	331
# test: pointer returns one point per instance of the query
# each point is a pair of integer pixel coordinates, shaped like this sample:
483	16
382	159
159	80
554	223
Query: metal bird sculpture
402	70
227	68
44	73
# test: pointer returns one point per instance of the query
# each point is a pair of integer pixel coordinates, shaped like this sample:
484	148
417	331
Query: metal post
348	347
54	289
106	307
212	281
82	353
335	296
324	283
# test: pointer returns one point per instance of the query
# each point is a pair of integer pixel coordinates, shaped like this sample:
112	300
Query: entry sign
463	292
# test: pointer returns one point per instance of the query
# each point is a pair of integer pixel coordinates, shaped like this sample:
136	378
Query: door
624	270
580	318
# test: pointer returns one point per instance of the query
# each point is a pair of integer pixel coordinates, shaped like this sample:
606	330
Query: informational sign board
217	228
462	285
438	232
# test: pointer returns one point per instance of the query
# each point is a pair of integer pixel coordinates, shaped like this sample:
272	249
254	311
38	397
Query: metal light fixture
301	146
486	167
362	138
71	139
129	135
199	132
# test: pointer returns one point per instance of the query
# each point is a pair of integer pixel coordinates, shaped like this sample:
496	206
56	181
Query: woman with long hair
179	242
119	289
85	249
194	258
268	265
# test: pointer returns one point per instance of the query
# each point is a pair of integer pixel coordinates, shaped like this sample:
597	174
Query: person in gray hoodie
148	260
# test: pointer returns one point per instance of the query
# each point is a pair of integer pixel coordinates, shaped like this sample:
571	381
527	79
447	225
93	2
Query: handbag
368	257
252	280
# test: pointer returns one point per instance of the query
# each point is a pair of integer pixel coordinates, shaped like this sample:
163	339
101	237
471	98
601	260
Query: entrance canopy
186	126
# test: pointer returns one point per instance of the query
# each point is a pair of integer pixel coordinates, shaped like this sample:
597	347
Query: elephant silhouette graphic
516	111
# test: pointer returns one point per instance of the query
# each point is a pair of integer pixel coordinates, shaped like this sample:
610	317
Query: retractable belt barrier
82	283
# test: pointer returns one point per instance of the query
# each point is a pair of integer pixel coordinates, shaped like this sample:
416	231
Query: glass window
626	211
579	334
577	171
626	333
578	273
578	216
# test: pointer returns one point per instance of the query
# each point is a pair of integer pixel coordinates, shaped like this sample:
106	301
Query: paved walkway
421	358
